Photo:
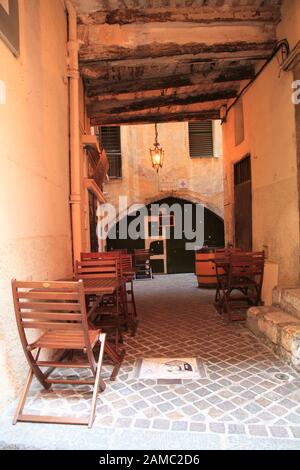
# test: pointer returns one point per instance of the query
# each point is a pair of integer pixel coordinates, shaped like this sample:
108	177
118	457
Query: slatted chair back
247	265
50	305
97	269
126	263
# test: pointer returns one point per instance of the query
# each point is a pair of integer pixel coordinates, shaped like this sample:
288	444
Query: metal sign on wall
9	25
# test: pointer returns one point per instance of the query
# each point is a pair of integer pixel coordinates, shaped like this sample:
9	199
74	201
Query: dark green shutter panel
201	139
110	137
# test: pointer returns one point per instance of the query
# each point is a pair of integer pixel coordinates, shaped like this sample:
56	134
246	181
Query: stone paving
247	392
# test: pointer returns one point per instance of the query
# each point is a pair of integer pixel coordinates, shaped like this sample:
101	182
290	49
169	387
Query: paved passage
247	397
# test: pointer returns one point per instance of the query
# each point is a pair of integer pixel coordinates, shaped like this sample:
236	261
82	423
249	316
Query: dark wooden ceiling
148	61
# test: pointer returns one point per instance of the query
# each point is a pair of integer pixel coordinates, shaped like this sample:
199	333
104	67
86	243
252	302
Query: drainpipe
75	161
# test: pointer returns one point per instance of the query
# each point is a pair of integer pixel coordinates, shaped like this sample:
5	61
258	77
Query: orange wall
270	137
34	179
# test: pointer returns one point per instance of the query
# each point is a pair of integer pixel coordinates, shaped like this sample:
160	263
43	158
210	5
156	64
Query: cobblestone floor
240	395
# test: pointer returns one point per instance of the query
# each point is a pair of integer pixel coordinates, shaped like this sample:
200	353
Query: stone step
288	299
279	330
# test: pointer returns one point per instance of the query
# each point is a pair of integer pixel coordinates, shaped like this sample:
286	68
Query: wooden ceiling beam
159	102
204	91
206	15
155	118
165	60
172	111
113	43
157	54
97	87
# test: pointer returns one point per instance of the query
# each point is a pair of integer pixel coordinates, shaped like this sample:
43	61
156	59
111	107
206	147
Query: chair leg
133	301
217	295
124	305
133	311
98	381
25	391
118	362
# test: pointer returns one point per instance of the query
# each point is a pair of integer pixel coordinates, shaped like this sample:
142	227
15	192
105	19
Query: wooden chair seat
58	339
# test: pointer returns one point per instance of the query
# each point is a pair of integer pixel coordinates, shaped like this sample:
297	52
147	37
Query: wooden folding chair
108	309
127	275
57	310
246	271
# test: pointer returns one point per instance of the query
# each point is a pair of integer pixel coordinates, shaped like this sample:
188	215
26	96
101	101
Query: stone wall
196	179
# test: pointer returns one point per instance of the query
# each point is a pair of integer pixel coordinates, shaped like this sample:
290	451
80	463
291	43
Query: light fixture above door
157	153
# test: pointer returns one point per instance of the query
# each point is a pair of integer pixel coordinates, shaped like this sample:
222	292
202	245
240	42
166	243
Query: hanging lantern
157	154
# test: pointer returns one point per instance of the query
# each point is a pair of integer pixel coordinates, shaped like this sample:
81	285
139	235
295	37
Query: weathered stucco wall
197	179
34	178
270	138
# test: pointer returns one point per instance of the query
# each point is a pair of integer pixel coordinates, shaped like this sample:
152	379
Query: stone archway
180	257
216	206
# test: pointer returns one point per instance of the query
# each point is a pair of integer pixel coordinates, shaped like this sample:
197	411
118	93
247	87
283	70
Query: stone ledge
288	298
277	329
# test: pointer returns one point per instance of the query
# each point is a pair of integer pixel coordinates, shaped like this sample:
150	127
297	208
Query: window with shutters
110	140
201	140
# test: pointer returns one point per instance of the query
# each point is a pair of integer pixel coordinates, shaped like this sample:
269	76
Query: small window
110	140
201	139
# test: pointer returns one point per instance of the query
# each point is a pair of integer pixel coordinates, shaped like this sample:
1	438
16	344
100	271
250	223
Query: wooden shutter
110	137
201	139
242	170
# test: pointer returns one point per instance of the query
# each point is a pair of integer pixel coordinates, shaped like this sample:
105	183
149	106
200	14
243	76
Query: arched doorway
170	255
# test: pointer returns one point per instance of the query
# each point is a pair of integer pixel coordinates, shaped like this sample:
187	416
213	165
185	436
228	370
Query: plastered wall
197	179
35	239
270	138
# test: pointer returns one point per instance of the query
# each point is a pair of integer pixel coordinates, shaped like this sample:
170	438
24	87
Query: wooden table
100	286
